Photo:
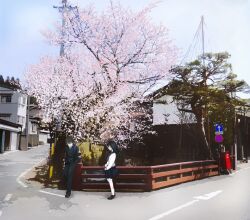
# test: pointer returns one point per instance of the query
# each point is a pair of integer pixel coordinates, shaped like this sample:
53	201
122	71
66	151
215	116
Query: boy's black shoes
67	195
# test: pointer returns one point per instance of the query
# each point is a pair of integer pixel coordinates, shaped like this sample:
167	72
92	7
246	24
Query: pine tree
205	86
1	79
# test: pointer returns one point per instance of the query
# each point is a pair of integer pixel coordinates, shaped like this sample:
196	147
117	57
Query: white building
13	110
43	136
167	111
13	106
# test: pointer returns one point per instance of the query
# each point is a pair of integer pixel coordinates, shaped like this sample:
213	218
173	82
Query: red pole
77	178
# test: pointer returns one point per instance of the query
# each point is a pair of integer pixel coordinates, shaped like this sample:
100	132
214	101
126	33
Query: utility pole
234	147
245	135
63	9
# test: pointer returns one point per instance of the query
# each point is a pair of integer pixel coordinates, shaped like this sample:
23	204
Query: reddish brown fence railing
145	178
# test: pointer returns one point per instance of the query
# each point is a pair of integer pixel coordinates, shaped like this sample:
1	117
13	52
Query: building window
5	116
24	100
5	98
33	127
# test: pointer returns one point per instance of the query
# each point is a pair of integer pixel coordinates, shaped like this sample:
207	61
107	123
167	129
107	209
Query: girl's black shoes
111	197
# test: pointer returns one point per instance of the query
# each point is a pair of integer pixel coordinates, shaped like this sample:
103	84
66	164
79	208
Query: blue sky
227	28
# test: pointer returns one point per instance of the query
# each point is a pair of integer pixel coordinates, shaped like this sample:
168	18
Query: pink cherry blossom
110	60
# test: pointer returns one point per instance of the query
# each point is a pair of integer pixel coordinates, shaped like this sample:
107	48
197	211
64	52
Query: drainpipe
2	142
27	122
245	136
20	137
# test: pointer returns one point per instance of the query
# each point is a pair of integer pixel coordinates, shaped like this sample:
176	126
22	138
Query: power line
196	48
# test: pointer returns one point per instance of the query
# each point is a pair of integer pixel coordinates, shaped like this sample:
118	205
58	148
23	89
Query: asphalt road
222	197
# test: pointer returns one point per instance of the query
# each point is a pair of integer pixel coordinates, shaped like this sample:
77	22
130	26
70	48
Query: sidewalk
24	162
15	151
8	152
241	166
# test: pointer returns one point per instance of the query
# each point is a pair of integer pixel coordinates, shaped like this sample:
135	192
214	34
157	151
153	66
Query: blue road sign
218	128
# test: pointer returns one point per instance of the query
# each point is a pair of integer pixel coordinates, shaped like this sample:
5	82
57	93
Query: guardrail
144	178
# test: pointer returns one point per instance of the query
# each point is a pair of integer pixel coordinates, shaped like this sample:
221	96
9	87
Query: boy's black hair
68	140
113	145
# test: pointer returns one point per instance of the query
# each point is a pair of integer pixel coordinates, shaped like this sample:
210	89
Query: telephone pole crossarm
63	9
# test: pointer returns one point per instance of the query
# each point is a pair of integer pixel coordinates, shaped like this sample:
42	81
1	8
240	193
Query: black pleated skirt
111	173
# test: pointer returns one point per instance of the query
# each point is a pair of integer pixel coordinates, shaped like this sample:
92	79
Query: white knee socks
110	181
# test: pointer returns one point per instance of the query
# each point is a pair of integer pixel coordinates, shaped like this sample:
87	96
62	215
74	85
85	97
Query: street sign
219	138
219	128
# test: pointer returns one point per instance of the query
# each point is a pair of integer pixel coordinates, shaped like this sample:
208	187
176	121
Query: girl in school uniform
110	169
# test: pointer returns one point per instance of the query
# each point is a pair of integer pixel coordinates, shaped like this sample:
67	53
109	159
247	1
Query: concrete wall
165	111
13	141
23	143
43	137
33	140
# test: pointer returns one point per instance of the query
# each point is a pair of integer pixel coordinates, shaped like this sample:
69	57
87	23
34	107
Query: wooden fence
144	178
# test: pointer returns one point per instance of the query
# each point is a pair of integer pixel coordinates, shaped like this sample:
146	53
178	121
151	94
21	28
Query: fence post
149	184
77	179
180	168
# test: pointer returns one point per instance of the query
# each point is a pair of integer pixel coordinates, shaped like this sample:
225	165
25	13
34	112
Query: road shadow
40	175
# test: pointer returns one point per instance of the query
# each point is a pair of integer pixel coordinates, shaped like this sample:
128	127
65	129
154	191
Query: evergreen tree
205	87
7	79
1	79
12	79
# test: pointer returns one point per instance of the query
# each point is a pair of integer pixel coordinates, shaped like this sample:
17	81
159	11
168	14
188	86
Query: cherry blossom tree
110	60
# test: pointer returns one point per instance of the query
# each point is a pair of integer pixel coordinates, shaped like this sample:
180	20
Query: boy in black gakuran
71	159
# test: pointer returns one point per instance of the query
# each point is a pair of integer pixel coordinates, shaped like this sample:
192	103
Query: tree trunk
201	126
